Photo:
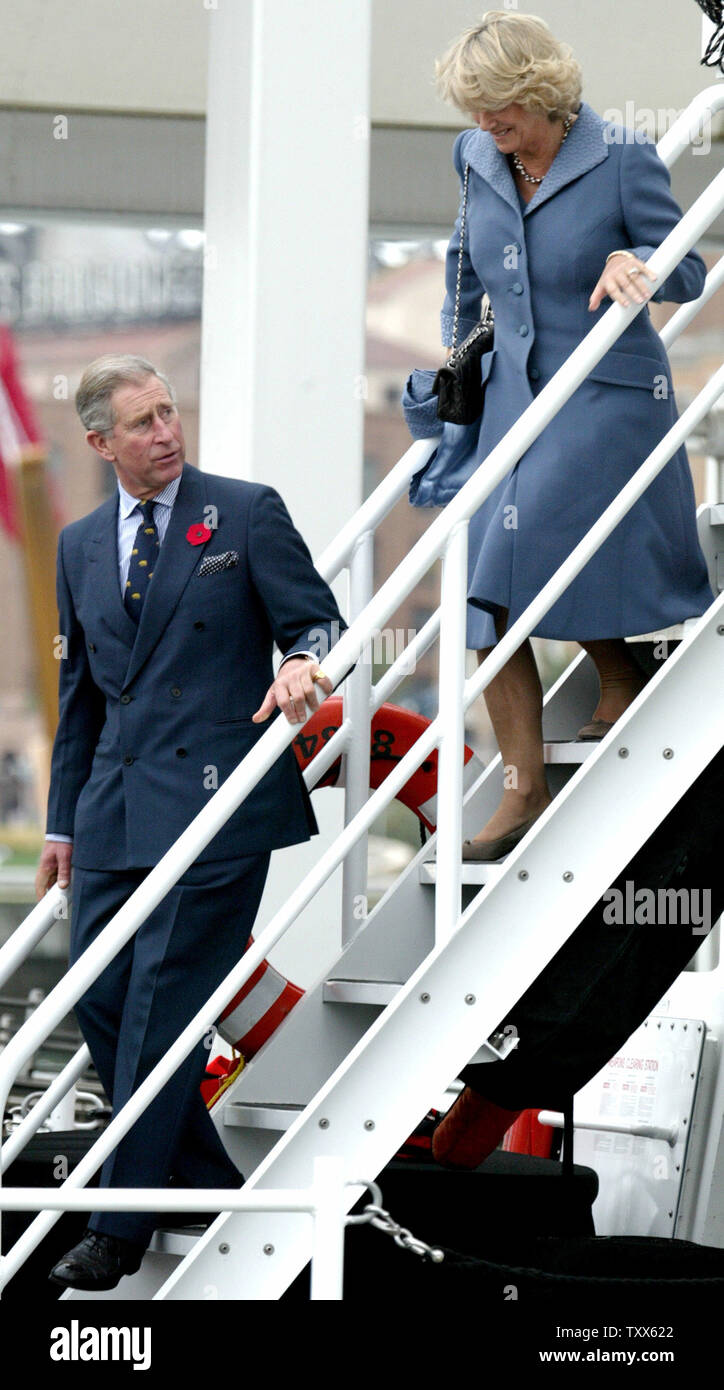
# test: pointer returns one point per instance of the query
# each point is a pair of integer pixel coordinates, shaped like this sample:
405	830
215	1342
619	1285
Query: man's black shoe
97	1262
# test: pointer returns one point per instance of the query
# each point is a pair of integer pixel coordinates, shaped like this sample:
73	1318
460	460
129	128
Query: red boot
471	1129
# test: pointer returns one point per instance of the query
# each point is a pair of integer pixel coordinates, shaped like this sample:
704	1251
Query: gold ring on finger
318	675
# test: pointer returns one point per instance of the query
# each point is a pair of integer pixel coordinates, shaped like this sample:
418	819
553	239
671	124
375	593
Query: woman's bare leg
514	699
619	676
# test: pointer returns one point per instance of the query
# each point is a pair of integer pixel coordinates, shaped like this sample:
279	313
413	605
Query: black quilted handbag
457	385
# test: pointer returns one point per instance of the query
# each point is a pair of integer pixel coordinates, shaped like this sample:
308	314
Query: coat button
524	330
517	288
126	699
91	646
181	753
128	758
199	626
175	691
533	373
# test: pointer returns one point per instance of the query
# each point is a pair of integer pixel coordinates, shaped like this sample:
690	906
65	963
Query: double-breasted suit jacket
607	189
154	717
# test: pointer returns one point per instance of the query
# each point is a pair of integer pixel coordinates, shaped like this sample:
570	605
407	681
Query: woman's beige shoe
486	851
591	733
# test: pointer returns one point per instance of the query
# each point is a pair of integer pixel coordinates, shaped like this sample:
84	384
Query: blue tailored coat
539	262
155	716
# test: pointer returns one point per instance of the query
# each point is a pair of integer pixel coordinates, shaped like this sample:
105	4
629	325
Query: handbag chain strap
487	314
458	287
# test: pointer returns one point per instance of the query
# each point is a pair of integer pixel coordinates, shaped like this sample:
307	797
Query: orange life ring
393	732
267	997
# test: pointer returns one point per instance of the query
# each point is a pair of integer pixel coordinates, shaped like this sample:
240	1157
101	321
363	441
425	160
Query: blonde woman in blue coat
563	212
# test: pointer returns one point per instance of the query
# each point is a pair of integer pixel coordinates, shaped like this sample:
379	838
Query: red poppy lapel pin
198	533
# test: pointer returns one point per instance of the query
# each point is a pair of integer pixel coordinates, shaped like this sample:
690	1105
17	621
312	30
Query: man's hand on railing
293	689
622	276
54	866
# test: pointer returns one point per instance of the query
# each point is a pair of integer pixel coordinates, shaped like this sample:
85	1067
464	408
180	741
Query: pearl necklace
531	178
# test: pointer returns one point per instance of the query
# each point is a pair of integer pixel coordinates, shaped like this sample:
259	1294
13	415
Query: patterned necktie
143	559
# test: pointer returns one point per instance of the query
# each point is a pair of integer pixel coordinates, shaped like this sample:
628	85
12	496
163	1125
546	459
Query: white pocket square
211	564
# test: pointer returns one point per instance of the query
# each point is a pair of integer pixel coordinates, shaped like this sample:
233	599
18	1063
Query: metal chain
487	311
458	287
375	1215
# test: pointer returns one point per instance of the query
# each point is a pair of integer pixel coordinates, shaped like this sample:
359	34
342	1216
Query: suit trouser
607	978
137	1007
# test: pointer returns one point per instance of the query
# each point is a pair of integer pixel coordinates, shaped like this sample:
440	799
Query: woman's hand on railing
622	275
54	866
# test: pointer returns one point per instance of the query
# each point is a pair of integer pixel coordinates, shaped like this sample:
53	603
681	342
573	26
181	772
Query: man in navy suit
171	595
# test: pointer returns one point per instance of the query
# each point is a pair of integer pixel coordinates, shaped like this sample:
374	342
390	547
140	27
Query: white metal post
714	477
357	757
285	265
451	686
329	1217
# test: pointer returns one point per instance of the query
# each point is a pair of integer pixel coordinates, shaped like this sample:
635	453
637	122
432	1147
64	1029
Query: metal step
242	1115
477	874
380	992
569	752
175	1240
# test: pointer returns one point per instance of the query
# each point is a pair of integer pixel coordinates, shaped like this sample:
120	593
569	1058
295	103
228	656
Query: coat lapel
584	147
480	152
176	563
101	550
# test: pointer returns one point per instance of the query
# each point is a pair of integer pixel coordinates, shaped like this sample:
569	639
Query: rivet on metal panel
425	998
369	1124
324	1123
268	1249
223	1248
668	752
568	876
623	752
469	998
522	875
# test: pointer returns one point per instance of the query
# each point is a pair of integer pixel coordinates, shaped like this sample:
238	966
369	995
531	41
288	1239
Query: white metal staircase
419	984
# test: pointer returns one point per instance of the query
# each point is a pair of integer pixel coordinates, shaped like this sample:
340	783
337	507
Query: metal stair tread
175	1240
277	1115
360	991
470	873
567	750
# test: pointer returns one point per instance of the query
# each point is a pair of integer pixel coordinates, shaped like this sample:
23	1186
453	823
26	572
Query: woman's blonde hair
510	58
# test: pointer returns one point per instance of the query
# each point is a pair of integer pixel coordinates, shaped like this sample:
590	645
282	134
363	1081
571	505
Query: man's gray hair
102	377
